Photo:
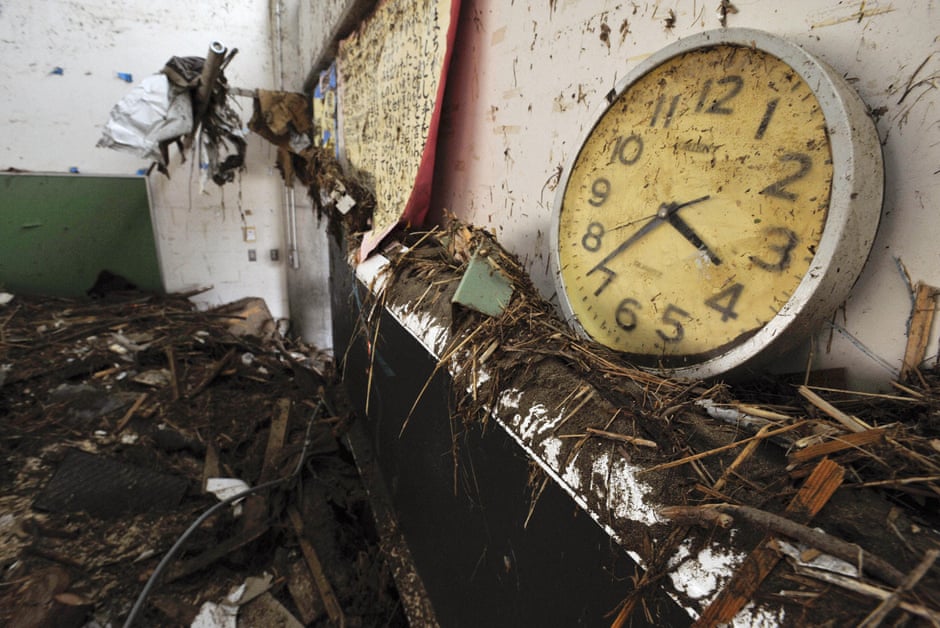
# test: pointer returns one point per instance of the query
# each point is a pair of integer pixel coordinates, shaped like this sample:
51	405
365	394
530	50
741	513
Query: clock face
695	207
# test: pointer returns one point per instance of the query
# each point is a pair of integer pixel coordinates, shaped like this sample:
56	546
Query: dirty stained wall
52	122
528	78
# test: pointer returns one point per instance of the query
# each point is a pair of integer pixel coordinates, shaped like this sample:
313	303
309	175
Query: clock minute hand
662	215
601	266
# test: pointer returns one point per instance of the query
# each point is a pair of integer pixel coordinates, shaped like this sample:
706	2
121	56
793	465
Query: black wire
171	553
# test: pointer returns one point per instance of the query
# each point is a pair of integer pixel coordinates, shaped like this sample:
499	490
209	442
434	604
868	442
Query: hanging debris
185	104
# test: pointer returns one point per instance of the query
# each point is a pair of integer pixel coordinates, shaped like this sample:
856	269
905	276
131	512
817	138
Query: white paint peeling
599	469
572	475
551	449
628	494
509	399
699	577
426	329
752	617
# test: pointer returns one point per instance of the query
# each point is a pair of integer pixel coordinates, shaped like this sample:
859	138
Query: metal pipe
292	254
289	205
210	72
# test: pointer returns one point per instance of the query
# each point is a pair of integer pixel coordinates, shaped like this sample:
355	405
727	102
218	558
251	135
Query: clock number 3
781	241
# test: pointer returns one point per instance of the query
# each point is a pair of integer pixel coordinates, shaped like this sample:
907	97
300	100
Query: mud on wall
527	79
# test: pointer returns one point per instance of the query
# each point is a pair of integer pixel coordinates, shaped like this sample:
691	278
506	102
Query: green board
57	232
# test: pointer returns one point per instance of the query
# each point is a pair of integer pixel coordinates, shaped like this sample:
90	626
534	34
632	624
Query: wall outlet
250	234
252	255
275	255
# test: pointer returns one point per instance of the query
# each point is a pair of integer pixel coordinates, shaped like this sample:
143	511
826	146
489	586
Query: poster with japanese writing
392	77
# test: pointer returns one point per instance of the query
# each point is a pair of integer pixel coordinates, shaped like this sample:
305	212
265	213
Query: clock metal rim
854	209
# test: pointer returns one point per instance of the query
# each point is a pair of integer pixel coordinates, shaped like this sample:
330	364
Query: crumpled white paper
152	112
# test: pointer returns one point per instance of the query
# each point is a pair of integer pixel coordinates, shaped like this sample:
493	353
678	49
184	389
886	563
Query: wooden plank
276	437
849	422
843	441
809	500
333	609
922	315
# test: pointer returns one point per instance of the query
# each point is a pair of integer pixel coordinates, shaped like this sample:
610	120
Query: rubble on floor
116	413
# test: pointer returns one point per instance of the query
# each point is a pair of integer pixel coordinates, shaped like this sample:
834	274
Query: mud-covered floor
114	412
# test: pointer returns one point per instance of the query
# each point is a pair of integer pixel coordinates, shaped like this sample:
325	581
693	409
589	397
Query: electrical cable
171	553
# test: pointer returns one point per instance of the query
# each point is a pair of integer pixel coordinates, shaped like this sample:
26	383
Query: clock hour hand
689	234
668	211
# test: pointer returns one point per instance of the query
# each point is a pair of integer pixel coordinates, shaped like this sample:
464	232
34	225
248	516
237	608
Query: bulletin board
392	77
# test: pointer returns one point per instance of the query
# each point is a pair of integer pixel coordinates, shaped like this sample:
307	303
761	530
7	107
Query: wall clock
721	206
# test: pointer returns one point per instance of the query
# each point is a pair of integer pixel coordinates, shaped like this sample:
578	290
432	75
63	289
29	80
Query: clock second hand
666	210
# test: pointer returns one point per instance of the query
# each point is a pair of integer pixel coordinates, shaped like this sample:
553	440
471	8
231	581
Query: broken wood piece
633	440
910	581
849	422
838	443
918	335
276	437
210	468
213	373
717	450
333	609
174	380
705	516
857	586
217	552
303	591
744	455
738	591
130	412
256	506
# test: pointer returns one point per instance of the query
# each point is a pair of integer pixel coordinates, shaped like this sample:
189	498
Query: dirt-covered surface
140	399
886	467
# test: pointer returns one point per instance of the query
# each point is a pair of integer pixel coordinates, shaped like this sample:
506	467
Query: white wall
52	123
528	77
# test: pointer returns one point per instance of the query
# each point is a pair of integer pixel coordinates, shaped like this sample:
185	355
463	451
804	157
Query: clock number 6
626	316
669	317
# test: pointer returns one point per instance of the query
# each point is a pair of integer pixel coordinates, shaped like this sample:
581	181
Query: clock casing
721	206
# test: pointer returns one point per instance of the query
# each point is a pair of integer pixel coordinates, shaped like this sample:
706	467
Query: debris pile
748	470
117	416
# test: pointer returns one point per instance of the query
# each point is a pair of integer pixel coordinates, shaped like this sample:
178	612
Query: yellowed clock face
695	206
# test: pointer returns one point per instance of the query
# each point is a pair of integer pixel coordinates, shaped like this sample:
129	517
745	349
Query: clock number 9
600	190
